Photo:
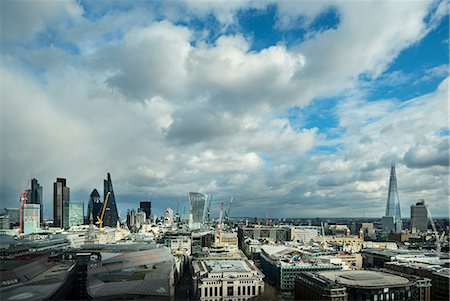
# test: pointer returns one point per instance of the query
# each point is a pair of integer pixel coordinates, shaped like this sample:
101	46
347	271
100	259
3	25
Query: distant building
76	212
31	221
391	221
4	222
35	196
61	198
147	208
197	208
361	285
111	214
275	234
94	205
13	214
228	279
419	217
305	233
168	217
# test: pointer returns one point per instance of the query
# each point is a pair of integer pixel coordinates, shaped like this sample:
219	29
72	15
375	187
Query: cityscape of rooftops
224	150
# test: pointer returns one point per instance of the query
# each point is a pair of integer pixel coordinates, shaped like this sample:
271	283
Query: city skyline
298	108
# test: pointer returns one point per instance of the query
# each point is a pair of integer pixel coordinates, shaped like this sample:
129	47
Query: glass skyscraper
197	206
34	196
391	221
111	215
61	198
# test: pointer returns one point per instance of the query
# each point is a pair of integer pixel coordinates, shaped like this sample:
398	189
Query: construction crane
102	214
22	201
436	234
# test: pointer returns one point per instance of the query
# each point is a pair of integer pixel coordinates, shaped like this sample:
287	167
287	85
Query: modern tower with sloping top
111	215
392	219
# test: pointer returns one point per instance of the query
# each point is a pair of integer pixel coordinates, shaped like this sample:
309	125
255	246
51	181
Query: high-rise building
61	198
419	217
31	218
391	221
35	196
76	212
197	206
94	205
168	217
147	208
111	215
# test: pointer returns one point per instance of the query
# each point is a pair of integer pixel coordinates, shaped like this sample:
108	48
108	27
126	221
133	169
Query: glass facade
61	198
76	210
31	214
197	205
111	215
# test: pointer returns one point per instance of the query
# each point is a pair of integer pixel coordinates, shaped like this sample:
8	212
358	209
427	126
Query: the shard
111	215
392	218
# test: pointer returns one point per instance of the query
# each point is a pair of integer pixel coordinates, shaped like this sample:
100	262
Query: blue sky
294	107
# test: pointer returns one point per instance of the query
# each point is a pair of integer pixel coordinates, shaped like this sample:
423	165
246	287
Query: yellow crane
102	214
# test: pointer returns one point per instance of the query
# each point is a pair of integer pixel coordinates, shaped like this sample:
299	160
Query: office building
111	214
76	212
4	222
391	221
197	207
283	265
226	279
35	196
274	234
361	285
305	234
31	220
147	208
13	214
61	198
168	217
94	205
419	217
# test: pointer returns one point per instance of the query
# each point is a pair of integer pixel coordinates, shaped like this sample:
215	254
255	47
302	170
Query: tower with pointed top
392	219
111	215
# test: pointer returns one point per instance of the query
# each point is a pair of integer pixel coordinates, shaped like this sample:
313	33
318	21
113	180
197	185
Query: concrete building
419	217
13	214
283	264
439	275
275	234
4	222
376	258
361	285
305	234
168	217
226	279
76	213
31	220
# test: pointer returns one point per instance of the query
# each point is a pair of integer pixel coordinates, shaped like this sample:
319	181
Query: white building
305	234
31	218
232	279
168	217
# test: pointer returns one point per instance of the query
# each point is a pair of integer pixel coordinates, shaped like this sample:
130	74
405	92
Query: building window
239	290
210	291
253	291
206	292
215	291
229	291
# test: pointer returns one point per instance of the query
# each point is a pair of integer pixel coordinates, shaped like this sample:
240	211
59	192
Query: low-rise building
226	279
283	264
361	285
275	234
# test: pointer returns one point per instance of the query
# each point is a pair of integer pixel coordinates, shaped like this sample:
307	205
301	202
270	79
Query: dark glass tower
61	198
35	197
147	208
94	206
111	215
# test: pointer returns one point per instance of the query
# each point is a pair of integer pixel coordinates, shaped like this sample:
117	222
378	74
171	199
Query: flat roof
364	278
218	266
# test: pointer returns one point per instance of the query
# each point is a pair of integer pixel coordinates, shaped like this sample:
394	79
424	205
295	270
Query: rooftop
364	278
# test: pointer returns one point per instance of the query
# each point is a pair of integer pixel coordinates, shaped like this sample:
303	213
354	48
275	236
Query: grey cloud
423	156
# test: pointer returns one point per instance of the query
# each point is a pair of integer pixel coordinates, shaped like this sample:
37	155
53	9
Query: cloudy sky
296	108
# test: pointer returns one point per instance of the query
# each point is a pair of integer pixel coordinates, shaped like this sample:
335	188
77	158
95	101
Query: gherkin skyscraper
392	219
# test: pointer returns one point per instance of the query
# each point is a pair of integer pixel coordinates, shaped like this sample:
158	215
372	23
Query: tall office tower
76	212
111	216
94	206
197	206
391	221
419	217
35	197
168	217
147	208
30	218
61	198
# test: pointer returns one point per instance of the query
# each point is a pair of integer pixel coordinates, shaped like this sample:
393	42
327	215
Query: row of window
241	291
